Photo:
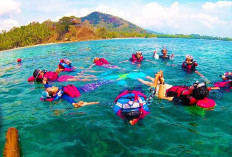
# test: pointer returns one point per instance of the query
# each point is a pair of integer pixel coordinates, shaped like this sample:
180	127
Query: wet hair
36	73
50	93
200	92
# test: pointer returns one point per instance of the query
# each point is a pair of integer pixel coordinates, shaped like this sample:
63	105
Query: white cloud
9	7
79	13
174	19
8	24
219	4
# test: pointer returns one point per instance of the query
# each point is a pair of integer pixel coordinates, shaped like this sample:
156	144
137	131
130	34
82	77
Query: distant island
91	27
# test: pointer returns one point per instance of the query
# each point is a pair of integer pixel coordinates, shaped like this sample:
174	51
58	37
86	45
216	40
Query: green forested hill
112	23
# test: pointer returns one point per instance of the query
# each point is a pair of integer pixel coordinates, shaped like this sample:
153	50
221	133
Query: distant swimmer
197	94
137	58
226	83
189	64
164	55
103	63
131	105
65	65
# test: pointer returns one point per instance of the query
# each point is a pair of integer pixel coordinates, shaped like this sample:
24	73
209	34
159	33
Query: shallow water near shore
59	130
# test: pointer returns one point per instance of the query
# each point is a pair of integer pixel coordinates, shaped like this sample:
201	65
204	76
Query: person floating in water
137	58
189	65
227	76
193	95
39	75
103	63
131	106
226	83
164	55
70	92
65	65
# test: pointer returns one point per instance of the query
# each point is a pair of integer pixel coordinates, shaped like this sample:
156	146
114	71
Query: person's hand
45	80
161	78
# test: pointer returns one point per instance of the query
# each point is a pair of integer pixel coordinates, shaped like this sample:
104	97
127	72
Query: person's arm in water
76	104
124	61
91	66
161	92
150	61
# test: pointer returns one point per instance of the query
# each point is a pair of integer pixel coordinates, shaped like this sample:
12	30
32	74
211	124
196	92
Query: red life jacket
181	92
71	91
135	59
51	76
189	66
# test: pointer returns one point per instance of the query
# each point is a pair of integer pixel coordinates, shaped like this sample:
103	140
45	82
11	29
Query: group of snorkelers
131	105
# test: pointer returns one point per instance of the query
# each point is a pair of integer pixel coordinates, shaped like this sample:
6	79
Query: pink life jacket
51	76
223	84
65	69
101	61
136	93
135	59
71	91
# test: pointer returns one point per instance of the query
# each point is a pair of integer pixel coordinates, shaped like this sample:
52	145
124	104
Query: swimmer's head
164	51
200	90
52	91
38	74
45	95
189	59
95	59
67	61
138	54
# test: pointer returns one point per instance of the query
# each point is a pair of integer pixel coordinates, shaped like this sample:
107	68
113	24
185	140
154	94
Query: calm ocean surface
59	130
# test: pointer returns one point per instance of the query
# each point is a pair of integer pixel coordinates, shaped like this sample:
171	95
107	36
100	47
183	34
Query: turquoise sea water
59	130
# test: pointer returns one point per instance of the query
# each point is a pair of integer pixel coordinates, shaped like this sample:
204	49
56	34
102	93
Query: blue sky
172	17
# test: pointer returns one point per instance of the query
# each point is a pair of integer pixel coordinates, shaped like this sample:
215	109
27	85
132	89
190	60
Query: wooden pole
12	143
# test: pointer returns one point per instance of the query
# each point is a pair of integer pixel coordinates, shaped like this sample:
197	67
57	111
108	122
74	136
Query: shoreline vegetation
95	26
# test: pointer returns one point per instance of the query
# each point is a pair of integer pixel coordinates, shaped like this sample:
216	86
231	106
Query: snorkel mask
199	84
